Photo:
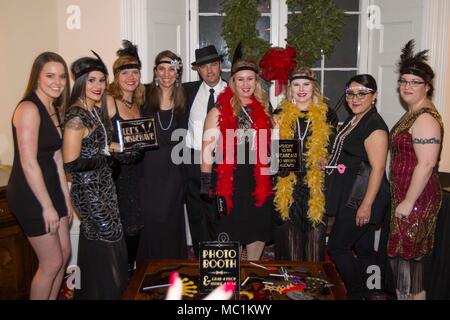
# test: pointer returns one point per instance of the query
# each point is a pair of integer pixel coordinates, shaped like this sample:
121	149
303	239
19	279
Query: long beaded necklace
253	131
302	137
106	148
95	115
338	144
170	122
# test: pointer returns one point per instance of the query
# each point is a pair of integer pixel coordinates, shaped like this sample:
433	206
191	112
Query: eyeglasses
349	95
412	84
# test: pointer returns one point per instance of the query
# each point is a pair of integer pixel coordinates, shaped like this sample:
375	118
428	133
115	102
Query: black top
353	152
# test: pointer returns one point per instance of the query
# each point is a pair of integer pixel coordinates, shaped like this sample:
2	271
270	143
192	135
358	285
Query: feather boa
316	145
225	169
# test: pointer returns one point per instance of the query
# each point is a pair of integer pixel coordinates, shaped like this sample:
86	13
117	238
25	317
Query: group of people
131	203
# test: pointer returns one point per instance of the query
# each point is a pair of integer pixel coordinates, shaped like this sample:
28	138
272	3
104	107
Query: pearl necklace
95	115
339	142
301	136
106	148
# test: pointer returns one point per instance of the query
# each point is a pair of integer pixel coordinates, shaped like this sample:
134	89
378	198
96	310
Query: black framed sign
288	155
219	263
137	134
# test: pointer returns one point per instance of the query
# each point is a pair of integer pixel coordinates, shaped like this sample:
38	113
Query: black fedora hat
206	55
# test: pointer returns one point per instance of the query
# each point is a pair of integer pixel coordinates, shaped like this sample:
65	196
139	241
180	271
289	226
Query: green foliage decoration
239	25
317	27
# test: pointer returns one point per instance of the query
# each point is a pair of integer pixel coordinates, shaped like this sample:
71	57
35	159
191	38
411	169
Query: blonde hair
308	73
260	94
114	88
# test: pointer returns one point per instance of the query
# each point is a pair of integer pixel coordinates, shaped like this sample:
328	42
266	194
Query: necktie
210	100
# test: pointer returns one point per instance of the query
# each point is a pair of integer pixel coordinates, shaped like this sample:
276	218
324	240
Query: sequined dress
102	254
411	238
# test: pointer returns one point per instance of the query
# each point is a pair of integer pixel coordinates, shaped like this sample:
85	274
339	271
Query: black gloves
81	165
130	157
206	192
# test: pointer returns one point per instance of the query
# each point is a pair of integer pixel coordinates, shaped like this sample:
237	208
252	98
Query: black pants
352	249
202	215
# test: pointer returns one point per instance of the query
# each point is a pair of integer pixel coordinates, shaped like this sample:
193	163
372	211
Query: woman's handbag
359	186
359	189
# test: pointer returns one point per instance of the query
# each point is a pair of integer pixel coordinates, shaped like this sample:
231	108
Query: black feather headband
415	64
95	65
128	50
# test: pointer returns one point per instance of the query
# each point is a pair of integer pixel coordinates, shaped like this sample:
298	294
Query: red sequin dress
411	238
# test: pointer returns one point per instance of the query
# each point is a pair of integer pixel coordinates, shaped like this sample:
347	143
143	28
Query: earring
177	83
157	82
293	100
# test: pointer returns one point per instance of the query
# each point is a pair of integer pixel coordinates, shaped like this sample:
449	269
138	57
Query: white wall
24	34
29	27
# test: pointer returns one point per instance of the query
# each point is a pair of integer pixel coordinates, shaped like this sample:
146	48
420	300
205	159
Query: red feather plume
276	64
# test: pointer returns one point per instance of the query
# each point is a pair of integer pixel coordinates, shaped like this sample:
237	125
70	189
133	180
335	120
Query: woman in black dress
299	197
102	254
361	143
161	184
241	116
124	101
37	190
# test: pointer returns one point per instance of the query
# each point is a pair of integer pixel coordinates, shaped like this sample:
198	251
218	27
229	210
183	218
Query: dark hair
424	71
61	102
79	87
154	92
365	80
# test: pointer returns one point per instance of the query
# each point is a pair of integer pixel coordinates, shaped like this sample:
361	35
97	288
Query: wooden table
161	269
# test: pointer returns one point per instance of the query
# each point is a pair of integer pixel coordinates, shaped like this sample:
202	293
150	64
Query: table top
157	272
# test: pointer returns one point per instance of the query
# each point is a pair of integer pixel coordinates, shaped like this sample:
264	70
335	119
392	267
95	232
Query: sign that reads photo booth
219	263
137	134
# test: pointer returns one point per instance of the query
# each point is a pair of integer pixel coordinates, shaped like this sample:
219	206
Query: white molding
133	18
436	39
364	38
192	28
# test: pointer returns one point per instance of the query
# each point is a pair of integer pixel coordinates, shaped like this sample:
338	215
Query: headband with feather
93	65
415	64
240	64
129	49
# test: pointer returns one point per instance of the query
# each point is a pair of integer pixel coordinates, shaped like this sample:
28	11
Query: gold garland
317	149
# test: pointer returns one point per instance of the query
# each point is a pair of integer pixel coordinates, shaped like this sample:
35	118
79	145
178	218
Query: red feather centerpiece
276	64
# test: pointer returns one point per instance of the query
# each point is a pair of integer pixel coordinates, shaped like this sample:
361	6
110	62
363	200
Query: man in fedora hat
201	97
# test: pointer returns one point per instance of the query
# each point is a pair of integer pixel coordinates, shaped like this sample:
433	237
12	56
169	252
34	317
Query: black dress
162	194
21	199
295	238
246	223
102	253
126	175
